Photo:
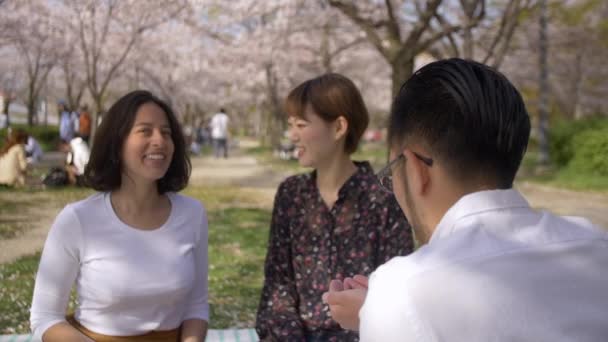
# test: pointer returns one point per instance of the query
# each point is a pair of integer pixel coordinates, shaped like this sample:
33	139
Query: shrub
590	152
47	136
562	133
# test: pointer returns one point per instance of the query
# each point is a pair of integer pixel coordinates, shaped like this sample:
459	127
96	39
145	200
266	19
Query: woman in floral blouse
332	223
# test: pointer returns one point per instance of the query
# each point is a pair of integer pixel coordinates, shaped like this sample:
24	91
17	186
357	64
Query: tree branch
366	25
392	24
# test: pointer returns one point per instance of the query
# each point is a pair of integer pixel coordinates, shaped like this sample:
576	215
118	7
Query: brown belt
152	336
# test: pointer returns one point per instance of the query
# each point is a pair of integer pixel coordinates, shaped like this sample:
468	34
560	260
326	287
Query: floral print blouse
311	244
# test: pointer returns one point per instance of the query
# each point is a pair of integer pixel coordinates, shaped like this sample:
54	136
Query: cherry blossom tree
402	30
30	29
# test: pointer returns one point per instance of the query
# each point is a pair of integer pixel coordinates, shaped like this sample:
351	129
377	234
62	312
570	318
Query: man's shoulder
400	267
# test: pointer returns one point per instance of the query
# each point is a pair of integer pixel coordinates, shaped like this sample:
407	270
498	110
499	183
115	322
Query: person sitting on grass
78	154
136	250
33	150
13	162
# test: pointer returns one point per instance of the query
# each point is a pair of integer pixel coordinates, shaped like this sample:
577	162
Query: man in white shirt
490	268
78	154
219	133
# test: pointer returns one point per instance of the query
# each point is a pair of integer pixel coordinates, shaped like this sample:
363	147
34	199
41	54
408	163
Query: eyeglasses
385	176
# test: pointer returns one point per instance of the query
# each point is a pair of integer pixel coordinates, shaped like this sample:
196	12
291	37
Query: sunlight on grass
218	197
16	286
237	248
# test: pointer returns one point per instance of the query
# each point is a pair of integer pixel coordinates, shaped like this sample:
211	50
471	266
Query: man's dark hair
469	115
103	171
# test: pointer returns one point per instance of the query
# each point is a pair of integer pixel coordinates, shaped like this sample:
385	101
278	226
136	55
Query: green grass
17	284
237	247
238	233
560	178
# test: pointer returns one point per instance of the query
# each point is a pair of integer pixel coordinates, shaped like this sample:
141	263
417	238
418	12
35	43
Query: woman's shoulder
77	215
296	181
93	201
83	208
186	202
18	148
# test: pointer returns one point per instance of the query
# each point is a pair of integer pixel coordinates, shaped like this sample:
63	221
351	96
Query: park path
591	205
246	172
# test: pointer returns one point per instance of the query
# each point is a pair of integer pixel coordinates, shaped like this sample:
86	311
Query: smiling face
148	148
315	139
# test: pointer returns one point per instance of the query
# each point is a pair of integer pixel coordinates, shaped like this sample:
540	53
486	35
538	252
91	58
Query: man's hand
345	305
356	282
345	300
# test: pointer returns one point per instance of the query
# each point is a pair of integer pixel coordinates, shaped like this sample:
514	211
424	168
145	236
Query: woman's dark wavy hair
469	115
104	170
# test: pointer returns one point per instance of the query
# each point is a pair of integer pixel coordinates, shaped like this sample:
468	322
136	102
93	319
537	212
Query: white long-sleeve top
494	270
128	281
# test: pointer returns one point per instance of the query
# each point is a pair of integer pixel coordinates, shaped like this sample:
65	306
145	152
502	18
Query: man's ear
420	178
341	127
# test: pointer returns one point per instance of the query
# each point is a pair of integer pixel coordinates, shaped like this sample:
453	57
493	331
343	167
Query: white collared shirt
494	270
219	126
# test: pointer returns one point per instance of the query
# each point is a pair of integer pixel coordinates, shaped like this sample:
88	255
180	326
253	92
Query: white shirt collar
475	203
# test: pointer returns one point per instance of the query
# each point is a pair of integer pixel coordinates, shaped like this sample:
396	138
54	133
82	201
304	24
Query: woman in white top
136	250
13	164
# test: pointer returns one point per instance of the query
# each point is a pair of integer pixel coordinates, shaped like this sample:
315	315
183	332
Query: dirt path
40	218
239	170
244	171
593	206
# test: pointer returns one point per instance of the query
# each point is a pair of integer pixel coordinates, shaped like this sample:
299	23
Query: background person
13	162
219	133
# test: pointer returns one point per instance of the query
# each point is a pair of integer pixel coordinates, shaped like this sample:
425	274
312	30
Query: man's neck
446	199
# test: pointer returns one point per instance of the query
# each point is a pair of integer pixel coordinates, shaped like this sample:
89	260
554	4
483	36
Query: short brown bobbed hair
331	96
104	169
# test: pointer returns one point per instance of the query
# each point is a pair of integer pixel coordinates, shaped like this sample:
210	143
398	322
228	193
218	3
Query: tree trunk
6	105
96	115
277	121
325	52
575	111
31	105
543	85
402	69
467	38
